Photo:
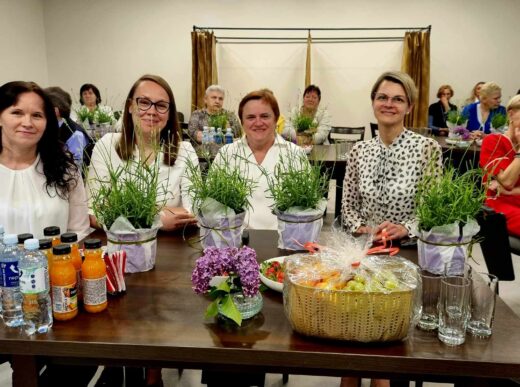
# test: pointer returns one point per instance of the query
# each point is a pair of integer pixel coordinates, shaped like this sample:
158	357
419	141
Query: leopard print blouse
381	182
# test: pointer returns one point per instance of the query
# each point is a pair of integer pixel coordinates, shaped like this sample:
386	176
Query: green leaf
212	309
229	309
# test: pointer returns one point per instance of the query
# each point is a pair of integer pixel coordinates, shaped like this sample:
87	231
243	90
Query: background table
160	322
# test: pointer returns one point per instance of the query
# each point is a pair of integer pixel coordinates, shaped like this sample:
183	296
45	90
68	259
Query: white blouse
260	216
26	206
172	179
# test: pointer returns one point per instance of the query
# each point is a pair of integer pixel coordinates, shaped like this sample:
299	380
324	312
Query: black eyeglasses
145	104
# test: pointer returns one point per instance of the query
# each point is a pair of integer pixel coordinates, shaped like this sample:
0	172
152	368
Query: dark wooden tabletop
159	321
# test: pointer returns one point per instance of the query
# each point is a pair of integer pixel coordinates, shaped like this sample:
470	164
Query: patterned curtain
416	63
204	66
308	61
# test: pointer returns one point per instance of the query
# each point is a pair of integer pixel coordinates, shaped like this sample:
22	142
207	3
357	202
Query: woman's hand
476	134
174	218
364	230
393	231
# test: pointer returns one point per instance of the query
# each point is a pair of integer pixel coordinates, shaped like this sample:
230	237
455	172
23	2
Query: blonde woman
481	113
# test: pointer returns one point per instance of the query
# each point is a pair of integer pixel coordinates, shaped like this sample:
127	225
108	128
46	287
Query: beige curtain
416	63
204	66
308	61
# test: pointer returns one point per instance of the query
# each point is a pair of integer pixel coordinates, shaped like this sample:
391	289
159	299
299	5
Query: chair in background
343	133
180	117
374	129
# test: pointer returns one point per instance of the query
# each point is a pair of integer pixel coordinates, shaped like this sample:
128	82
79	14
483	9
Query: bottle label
94	291
30	304
9	276
64	298
33	280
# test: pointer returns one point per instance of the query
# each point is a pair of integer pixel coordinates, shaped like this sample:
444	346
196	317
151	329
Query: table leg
25	371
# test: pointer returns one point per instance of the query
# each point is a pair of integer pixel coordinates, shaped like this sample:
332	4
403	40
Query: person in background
499	157
475	94
438	111
481	113
311	108
214	102
90	97
383	173
260	146
70	133
43	185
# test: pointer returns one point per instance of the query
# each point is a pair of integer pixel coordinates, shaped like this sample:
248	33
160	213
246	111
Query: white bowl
277	286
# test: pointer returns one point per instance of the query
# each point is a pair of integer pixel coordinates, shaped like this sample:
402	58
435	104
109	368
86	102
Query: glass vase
247	306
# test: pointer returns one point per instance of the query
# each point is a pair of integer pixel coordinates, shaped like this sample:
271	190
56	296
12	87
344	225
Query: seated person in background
310	108
90	97
260	146
475	94
383	173
438	111
43	186
500	159
70	133
481	113
214	100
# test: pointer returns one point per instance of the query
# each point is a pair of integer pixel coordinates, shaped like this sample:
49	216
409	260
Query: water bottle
10	282
1	249
205	135
211	135
229	136
35	288
219	137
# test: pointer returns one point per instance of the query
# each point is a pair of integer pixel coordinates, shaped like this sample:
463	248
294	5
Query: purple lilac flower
217	261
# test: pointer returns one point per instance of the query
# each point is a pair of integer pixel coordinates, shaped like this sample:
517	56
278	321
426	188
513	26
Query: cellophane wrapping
140	245
340	293
220	226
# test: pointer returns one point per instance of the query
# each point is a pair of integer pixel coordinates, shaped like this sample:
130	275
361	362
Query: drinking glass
342	149
458	269
454	309
483	298
430	298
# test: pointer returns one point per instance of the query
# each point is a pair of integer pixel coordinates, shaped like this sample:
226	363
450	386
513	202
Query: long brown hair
170	134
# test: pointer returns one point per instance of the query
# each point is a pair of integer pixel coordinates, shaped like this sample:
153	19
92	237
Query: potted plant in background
298	189
103	119
499	123
456	122
305	127
85	116
447	203
220	197
127	203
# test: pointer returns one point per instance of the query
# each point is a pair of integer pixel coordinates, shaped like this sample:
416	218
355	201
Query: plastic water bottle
35	288
211	135
205	135
228	136
219	136
10	282
1	249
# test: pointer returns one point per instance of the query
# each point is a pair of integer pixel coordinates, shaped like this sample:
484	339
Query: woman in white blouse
150	108
382	174
41	184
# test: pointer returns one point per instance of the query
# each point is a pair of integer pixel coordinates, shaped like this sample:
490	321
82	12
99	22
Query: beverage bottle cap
51	231
10	239
31	244
92	244
61	249
23	237
45	244
68	237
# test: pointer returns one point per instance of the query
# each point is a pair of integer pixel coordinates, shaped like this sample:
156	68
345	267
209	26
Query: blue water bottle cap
10	239
31	244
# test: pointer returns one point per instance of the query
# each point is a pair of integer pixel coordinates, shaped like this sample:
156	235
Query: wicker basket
348	315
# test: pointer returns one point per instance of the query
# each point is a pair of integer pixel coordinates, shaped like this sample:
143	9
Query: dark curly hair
58	165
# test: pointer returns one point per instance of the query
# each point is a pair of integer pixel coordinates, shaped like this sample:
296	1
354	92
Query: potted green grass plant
305	127
220	197
298	189
499	123
447	203
126	200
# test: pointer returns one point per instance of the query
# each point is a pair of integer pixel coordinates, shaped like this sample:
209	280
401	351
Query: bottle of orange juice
46	248
53	233
71	238
63	284
94	277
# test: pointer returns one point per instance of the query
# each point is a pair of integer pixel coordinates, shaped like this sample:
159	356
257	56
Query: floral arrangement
242	276
462	132
456	117
85	114
498	120
104	115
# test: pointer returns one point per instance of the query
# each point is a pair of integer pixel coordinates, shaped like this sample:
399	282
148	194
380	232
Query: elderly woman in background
90	97
43	186
311	108
260	147
475	94
481	113
383	173
500	158
438	111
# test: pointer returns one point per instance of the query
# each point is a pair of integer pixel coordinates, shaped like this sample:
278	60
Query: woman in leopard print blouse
382	173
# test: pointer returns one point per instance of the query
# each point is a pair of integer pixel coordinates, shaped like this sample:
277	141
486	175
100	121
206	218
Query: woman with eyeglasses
438	111
150	132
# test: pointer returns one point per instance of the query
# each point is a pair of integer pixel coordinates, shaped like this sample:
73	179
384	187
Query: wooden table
160	322
462	158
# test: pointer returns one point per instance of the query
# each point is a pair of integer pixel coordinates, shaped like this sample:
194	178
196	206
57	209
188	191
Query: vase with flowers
230	277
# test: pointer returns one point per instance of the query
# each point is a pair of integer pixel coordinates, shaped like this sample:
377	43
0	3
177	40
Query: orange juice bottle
46	248
71	238
94	277
63	284
53	233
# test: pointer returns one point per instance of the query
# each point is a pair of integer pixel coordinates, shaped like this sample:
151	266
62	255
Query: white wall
111	43
23	53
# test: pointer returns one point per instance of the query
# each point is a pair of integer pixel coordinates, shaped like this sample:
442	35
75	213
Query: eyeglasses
145	104
383	98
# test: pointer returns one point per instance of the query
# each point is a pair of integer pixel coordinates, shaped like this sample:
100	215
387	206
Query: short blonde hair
489	88
397	77
514	103
445	87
